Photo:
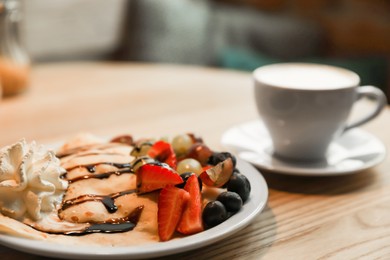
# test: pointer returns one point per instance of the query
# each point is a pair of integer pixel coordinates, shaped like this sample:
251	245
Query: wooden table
344	217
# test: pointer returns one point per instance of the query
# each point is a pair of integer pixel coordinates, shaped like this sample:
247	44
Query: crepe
100	195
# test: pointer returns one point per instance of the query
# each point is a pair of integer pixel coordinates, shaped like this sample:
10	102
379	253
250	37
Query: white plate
252	207
354	151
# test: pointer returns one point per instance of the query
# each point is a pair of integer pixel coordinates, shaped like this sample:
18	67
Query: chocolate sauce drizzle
113	225
125	168
92	167
100	175
107	200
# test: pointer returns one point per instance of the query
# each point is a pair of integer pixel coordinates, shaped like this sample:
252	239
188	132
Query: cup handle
373	93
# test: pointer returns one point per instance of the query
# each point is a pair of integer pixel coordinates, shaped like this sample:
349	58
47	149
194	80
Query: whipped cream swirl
30	183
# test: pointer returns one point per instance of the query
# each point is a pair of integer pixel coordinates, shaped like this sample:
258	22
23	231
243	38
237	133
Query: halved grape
141	149
181	144
189	165
138	162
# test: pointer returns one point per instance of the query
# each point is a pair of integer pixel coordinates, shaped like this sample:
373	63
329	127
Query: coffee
306	106
306	76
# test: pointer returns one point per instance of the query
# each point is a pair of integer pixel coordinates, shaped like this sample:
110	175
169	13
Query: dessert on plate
119	192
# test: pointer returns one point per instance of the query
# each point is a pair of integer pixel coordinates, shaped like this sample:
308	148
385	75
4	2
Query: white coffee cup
306	106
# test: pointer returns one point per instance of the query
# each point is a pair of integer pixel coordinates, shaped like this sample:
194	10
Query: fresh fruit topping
195	138
162	151
181	144
171	204
141	149
189	165
239	184
191	220
185	177
205	168
218	175
138	162
214	213
123	139
220	157
231	200
152	177
200	152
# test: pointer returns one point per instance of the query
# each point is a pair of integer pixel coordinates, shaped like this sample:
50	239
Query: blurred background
234	34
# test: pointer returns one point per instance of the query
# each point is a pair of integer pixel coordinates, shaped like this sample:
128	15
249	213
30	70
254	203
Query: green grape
140	161
189	165
181	144
141	149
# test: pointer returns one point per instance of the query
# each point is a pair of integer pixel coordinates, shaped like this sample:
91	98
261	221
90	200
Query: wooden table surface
340	217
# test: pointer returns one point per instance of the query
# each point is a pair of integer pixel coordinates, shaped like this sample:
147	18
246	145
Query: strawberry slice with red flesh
163	152
191	220
151	177
171	203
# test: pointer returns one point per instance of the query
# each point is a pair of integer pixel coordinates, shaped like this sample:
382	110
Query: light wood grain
344	217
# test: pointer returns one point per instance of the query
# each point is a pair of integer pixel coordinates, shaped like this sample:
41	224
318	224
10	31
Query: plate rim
290	169
252	208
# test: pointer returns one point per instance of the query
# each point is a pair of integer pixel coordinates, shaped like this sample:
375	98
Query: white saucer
354	151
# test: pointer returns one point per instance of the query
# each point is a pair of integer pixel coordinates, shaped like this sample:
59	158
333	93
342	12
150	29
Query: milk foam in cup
306	106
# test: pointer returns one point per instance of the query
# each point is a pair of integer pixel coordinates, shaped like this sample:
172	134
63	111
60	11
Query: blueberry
239	184
231	200
217	157
235	171
214	213
184	176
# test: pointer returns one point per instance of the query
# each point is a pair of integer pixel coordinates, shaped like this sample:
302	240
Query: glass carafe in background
14	61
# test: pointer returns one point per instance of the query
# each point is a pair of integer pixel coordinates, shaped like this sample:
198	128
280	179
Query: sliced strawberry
218	175
171	204
191	220
152	177
163	152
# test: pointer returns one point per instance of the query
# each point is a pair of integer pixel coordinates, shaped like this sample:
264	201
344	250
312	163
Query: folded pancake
102	187
100	198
